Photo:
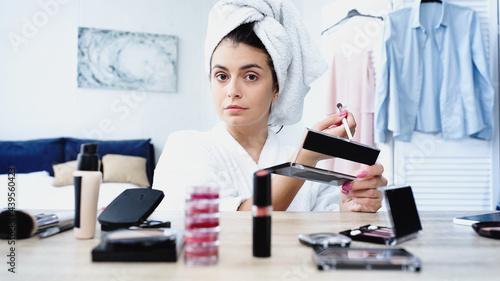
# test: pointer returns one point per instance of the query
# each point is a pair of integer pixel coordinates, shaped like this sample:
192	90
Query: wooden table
447	251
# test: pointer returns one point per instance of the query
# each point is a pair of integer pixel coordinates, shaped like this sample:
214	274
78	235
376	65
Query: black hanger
350	14
430	1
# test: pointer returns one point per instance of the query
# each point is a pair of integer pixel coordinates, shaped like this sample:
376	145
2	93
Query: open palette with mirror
329	146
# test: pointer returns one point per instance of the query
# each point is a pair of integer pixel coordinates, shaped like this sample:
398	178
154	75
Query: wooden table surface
448	252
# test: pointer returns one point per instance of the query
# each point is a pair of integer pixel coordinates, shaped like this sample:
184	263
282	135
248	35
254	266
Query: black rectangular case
141	249
403	215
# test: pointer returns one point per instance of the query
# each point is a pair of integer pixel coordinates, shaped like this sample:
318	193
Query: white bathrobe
215	158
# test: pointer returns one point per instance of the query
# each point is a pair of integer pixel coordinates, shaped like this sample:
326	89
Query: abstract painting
109	59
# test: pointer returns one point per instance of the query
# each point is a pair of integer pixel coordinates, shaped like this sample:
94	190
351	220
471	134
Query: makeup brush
344	121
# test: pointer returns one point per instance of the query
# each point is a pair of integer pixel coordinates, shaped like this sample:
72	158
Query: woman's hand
333	124
362	195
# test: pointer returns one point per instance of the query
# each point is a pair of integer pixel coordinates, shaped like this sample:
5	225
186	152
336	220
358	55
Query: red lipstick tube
261	211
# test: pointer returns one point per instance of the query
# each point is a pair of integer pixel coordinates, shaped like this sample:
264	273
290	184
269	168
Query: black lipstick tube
261	211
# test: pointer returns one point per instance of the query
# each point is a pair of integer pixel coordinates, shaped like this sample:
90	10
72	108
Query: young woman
245	85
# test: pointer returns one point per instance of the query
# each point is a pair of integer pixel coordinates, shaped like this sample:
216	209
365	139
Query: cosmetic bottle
87	181
261	211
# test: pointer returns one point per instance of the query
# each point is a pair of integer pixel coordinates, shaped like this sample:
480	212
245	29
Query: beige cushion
63	173
123	168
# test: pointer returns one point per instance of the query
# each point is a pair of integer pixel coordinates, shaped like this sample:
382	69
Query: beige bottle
87	181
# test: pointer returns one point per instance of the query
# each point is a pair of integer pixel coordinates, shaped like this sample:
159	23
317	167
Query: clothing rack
350	14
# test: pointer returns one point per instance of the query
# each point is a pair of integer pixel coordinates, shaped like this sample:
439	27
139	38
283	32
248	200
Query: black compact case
139	245
489	229
131	208
403	215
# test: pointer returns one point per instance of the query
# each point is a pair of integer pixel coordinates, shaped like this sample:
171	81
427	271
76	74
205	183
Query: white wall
39	97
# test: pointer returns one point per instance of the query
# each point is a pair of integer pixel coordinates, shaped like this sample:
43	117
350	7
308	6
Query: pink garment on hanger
353	85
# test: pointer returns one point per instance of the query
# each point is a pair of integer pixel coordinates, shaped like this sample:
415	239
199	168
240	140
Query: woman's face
242	84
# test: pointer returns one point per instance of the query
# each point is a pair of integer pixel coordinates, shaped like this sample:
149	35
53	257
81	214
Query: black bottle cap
88	160
262	188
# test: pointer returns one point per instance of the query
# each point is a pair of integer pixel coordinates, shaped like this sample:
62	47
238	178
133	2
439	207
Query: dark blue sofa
40	154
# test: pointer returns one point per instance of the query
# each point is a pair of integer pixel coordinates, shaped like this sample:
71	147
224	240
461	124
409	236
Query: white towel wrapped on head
297	61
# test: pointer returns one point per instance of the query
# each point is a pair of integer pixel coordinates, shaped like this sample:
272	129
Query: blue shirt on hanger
434	74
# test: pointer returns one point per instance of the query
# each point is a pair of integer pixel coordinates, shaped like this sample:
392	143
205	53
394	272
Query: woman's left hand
362	195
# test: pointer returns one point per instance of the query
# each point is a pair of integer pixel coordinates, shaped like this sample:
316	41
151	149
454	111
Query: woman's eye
251	77
221	76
